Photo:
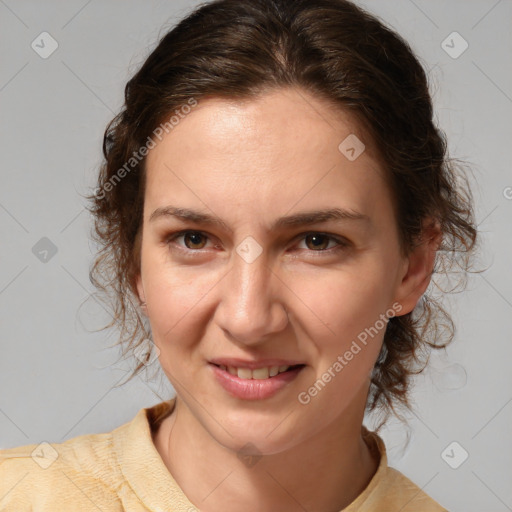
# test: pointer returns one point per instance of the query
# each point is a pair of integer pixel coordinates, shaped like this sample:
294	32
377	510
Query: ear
137	270
140	292
419	266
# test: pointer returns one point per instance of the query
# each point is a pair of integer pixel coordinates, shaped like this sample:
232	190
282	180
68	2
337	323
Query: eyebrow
297	219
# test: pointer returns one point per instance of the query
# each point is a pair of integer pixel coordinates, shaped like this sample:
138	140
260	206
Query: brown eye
322	243
194	239
317	241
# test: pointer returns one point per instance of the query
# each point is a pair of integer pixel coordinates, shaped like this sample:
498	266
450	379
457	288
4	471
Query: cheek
348	340
175	297
348	302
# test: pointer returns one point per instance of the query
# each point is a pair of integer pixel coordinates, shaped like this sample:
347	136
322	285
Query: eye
320	242
193	240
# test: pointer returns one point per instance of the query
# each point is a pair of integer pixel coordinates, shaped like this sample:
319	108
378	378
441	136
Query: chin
251	431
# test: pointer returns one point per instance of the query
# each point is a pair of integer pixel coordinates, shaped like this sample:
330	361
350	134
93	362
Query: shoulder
78	472
404	493
389	489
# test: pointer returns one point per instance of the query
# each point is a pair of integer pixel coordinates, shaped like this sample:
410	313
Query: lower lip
254	389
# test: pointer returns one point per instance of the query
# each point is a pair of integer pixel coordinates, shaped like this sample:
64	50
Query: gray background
58	379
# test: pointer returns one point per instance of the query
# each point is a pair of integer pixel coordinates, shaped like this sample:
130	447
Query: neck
326	472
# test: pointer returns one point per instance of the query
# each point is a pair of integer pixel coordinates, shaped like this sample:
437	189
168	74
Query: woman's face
240	270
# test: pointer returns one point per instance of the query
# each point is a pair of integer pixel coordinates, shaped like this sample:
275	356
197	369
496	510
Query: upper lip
252	364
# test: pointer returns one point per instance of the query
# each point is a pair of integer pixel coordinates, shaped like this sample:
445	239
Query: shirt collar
142	466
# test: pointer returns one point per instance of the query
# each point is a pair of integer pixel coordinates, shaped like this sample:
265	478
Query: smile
255	383
257	373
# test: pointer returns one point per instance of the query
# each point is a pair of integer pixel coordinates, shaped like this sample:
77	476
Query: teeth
258	373
273	371
244	373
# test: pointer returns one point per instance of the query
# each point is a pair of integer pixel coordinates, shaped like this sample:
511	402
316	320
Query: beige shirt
122	470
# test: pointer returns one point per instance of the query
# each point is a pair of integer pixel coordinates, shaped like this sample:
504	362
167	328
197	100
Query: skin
250	163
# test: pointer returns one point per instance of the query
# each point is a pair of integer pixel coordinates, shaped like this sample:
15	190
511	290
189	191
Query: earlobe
419	267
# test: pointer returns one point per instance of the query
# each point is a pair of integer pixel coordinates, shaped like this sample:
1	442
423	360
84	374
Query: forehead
282	119
278	148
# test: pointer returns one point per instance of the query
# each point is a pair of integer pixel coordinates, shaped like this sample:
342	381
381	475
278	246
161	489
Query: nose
250	309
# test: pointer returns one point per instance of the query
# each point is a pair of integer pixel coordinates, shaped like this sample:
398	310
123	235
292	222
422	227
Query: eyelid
342	243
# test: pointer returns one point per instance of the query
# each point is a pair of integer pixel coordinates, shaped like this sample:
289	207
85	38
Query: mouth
255	383
262	373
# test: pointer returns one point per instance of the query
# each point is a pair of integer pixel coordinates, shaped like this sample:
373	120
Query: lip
253	364
254	389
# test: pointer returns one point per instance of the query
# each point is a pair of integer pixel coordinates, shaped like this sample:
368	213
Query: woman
274	200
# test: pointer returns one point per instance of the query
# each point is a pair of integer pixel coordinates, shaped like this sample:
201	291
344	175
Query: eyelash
342	244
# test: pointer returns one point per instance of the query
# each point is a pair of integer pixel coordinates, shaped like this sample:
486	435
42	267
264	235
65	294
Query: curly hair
339	52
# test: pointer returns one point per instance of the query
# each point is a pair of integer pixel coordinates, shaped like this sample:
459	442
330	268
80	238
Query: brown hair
336	51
